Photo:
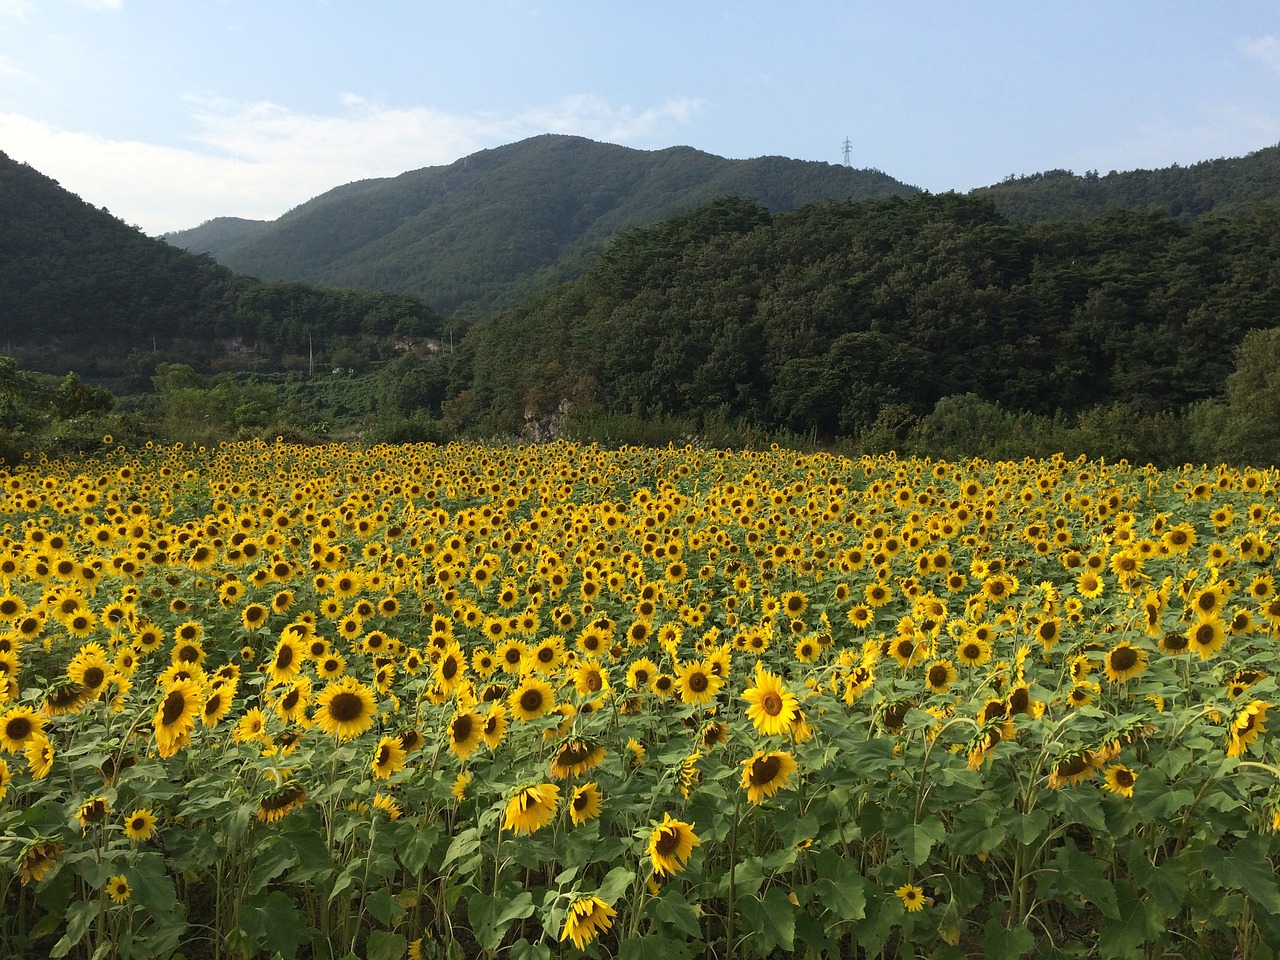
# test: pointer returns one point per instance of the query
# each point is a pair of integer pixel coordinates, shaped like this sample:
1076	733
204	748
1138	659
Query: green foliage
504	224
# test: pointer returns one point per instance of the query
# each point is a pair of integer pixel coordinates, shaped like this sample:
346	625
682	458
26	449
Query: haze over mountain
497	225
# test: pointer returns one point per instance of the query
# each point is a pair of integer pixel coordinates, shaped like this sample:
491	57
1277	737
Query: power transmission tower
848	147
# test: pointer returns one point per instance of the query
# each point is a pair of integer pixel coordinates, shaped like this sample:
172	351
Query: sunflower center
284	657
18	728
698	682
764	770
1124	658
581	801
937	676
449	669
175	702
461	728
531	701
94	677
771	704
668	842
345	707
594	682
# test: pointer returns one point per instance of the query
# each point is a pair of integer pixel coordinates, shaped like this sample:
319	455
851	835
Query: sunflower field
268	700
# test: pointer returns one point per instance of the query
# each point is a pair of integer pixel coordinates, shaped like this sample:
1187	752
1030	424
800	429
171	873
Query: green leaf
384	945
80	916
1165	884
841	889
414	845
275	925
653	947
674	910
522	949
383	906
1080	874
1028	827
1245	867
617	882
917	839
1001	943
1136	923
776	923
492	916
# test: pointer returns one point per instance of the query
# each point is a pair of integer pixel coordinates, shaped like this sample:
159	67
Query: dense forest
1224	186
921	323
82	291
503	224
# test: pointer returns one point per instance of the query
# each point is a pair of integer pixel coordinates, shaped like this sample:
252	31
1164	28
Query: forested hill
500	224
81	290
1224	186
818	320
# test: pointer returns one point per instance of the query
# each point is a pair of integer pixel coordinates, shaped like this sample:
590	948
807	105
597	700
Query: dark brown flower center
345	707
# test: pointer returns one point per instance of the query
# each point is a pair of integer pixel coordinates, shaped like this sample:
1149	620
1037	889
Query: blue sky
171	112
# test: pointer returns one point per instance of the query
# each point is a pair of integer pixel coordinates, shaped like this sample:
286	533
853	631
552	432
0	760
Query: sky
172	112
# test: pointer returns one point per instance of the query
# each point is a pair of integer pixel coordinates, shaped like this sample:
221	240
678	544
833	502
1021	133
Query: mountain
216	234
81	290
1223	186
501	224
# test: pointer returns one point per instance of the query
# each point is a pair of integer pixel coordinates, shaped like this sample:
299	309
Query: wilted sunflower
532	808
764	774
771	706
278	803
345	708
586	919
38	858
670	845
576	757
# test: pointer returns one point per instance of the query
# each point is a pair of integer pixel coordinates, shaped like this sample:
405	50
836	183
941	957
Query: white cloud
11	71
1266	49
18	9
261	159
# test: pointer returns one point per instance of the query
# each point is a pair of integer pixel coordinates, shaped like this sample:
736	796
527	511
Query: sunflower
1119	779
912	897
939	676
466	730
973	652
1206	637
287	660
1090	585
531	699
118	889
575	757
1073	767
92	811
388	757
1246	726
218	704
39	754
670	845
140	825
250	727
531	808
697	684
18	727
771	706
345	708
460	784
5	777
585	803
176	716
291	703
1123	662
764	774
281	802
587	918
495	726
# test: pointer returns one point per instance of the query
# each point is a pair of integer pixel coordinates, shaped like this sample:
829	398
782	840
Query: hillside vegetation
82	291
504	223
